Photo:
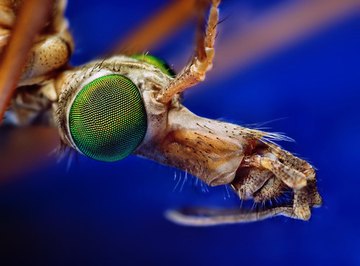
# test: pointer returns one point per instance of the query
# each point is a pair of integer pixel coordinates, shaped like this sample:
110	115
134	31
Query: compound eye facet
107	120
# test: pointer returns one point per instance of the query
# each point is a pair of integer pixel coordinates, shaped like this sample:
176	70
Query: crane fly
131	104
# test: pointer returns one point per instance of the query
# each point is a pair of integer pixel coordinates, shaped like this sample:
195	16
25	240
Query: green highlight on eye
107	119
157	62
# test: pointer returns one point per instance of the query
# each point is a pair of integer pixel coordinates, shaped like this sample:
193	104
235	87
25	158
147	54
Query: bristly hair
266	137
276	136
63	152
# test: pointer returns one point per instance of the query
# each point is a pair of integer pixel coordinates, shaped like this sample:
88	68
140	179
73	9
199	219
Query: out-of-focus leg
15	53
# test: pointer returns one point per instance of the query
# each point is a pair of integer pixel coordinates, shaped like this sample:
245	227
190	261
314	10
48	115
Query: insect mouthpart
107	119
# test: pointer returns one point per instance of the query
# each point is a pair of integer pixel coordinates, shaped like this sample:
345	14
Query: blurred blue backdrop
112	214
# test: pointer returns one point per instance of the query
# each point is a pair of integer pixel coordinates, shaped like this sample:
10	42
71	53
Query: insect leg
15	54
290	176
248	181
313	194
159	26
305	197
295	162
272	188
195	72
301	204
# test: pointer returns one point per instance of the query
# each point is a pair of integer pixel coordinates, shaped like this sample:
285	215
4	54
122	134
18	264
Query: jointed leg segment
202	62
272	189
297	175
295	162
248	182
291	177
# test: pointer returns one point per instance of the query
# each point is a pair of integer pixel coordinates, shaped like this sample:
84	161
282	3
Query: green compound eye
107	119
162	65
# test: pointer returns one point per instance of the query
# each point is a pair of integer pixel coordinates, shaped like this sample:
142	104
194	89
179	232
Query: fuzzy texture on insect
109	109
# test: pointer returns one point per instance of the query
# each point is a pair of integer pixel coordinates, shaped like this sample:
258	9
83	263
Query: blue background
112	214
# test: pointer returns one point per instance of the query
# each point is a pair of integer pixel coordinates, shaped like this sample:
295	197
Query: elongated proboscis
212	217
